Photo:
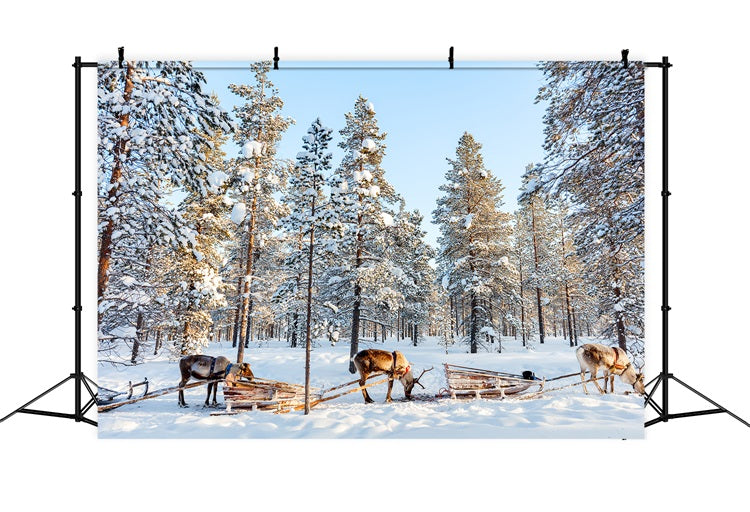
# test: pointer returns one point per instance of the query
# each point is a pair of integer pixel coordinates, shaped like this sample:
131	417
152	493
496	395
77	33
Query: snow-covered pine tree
522	262
195	271
411	274
310	213
361	195
155	125
535	209
474	232
260	175
594	142
568	270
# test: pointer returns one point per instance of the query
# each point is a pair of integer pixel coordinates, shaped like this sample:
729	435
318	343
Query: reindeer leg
216	387
368	400
596	381
611	383
390	388
208	395
181	394
583	382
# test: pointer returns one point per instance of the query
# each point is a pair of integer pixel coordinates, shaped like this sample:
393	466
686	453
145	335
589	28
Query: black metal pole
77	193
77	376
665	236
665	376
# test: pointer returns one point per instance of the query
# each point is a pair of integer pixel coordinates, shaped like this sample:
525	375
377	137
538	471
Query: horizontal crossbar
48	413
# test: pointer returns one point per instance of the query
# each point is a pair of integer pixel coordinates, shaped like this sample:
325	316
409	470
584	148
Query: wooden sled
264	395
281	397
464	382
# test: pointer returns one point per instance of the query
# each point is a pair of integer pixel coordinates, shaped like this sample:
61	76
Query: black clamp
666	308
77	193
77	308
121	55
450	57
275	57
625	58
666	193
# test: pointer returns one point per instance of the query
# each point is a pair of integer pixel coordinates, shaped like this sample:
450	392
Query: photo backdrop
488	217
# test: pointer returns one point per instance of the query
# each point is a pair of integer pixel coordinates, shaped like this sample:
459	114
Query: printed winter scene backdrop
471	237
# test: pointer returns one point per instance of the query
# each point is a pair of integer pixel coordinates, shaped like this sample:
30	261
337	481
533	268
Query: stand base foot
78	416
665	416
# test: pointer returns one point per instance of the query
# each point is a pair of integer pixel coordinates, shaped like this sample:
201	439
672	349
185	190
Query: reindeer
393	364
209	368
614	361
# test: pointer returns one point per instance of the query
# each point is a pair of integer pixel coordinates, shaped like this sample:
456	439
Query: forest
196	245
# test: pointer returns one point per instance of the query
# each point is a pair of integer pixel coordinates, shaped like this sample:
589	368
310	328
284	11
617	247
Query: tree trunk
105	243
570	321
621	339
244	316
157	343
473	326
308	331
536	272
357	299
249	331
295	328
138	338
238	310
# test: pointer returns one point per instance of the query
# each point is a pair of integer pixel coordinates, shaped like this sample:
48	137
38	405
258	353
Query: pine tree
536	212
259	177
410	273
595	160
196	269
474	232
522	262
309	212
155	129
361	195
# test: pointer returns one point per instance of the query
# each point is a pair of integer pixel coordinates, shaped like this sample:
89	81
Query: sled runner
464	382
105	404
107	396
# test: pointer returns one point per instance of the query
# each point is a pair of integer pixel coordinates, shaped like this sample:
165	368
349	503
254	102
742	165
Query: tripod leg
711	401
21	409
88	388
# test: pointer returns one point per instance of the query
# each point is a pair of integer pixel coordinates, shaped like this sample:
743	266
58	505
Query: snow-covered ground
567	413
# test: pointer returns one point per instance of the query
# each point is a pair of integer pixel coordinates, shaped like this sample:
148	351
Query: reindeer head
633	375
240	370
638	385
409	381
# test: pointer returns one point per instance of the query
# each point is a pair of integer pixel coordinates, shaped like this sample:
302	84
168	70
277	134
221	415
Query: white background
689	463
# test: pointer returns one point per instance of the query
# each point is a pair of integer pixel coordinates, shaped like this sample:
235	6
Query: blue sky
424	112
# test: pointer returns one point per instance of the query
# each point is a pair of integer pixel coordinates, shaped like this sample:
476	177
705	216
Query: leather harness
616	366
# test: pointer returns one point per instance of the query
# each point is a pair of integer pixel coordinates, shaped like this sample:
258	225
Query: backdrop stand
665	376
80	380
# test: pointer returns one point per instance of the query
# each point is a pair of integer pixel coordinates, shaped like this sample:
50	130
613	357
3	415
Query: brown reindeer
393	364
201	367
614	361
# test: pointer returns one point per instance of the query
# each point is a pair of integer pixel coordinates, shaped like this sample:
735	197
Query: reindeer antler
416	381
